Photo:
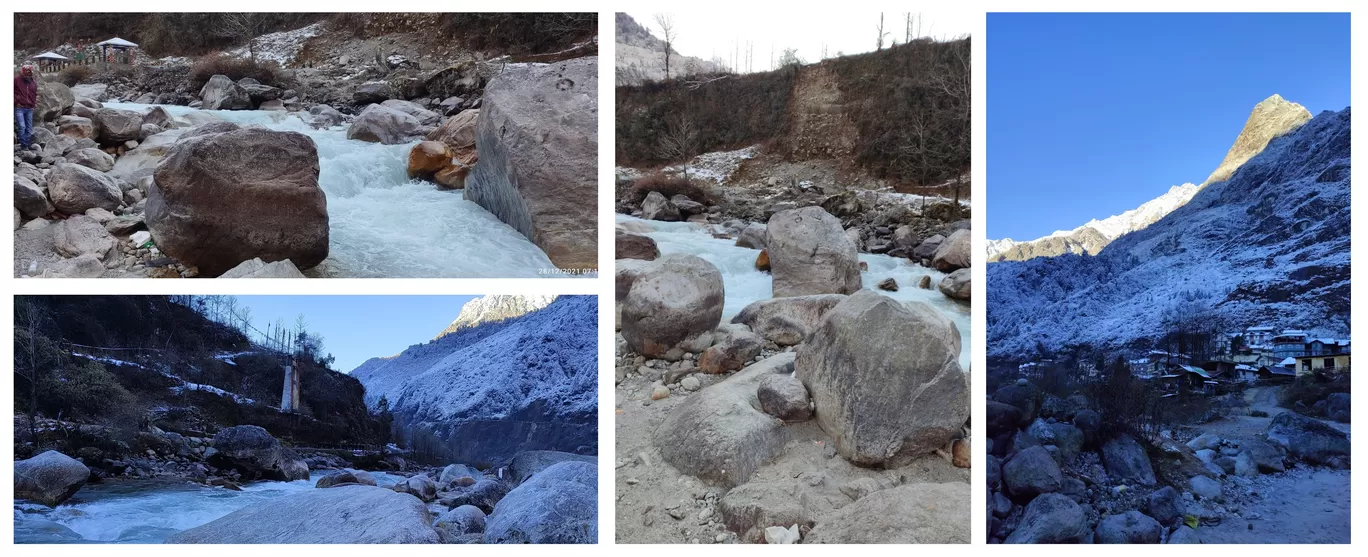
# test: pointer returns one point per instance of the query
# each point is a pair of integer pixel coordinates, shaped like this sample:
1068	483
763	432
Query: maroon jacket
25	91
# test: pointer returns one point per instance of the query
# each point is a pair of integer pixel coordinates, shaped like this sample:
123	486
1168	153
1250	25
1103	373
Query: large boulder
784	397
1002	418
927	248
97	92
424	116
91	158
528	463
885	378
253	452
1260	457
719	434
538	147
454	472
372	92
221	93
49	478
324	116
1126	461
1308	439
1030	473
382	124
256	268
957	285
221	199
117	126
787	321
810	254
158	116
419	486
953	253
658	207
80	235
75	189
677	302
77	127
458	132
1128	527
141	162
30	199
914	513
1051	518
733	348
54	100
484	495
557	505
752	236
345	477
634	246
427	158
1166	506
351	514
462	520
750	508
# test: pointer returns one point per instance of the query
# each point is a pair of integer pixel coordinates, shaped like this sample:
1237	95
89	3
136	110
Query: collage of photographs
824	328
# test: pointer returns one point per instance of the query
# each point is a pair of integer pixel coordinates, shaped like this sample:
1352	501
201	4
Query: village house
1328	362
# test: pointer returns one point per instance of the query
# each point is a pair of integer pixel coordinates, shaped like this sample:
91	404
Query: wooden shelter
51	61
116	51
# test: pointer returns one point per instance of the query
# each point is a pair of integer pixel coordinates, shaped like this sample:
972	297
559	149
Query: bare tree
679	141
29	316
882	34
790	58
667	29
242	27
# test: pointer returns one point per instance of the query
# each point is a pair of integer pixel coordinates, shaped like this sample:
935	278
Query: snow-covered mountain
488	390
1268	245
640	56
1271	118
488	309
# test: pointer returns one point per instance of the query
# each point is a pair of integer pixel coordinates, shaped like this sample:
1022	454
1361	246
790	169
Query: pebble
690	383
660	392
720	538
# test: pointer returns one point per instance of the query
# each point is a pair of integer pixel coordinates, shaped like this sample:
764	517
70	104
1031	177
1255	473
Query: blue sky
357	328
1090	115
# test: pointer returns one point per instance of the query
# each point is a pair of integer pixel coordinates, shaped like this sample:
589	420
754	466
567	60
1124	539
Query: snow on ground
281	47
717	166
113	361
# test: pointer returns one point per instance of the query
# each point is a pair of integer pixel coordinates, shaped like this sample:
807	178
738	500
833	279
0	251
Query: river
146	510
744	284
382	224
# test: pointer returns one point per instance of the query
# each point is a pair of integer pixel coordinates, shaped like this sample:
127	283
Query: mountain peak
488	309
1272	117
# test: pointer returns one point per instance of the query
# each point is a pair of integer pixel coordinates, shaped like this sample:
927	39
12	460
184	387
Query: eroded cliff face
493	308
1271	118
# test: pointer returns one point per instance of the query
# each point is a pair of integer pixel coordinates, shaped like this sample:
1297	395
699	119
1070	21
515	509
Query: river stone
1051	518
140	163
1205	487
91	91
1165	505
382	124
1205	441
458	132
372	92
885	378
1306	438
784	397
733	348
957	284
424	116
252	451
206	190
85	266
1126	461
352	514
538	170
75	189
427	158
1024	397
810	254
1002	418
484	495
752	236
80	235
158	116
634	246
528	463
117	125
324	116
914	513
719	434
91	158
1089	422
953	253
256	268
626	274
220	93
464	519
657	207
30	199
787	321
1184	534
49	478
1265	458
927	248
557	505
419	486
676	302
1129	527
1031	472
345	477
455	472
54	100
77	127
750	508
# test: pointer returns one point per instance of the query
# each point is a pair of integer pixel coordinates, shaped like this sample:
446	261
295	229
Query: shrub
1258	413
235	68
668	186
71	75
81	388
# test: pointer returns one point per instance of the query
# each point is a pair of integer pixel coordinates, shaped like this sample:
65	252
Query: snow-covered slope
1269	245
1271	118
488	309
490	390
640	56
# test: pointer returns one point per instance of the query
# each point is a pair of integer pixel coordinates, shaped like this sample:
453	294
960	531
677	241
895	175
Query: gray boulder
1166	506
810	254
1030	473
77	127
372	92
1306	438
1184	534
634	246
324	116
30	199
54	100
159	117
345	477
787	321
676	302
538	147
885	378
91	158
382	124
97	92
352	514
1260	457
784	397
752	236
558	505
1129	527
911	514
256	268
927	248
419	486
75	189
484	495
528	463
253	452
657	207
953	253
49	478
220	93
462	520
117	126
1205	487
455	472
80	235
719	434
1051	518
750	508
957	285
208	189
424	116
733	348
1126	461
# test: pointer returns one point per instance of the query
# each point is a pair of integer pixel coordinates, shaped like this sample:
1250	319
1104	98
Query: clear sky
703	33
357	328
1090	115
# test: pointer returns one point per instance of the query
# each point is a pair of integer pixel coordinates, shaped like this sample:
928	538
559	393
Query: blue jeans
23	117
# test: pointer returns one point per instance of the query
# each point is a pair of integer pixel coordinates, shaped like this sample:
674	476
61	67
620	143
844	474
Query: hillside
640	56
1270	119
1270	244
485	392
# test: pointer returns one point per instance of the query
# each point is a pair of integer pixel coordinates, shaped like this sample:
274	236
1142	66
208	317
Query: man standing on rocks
25	100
